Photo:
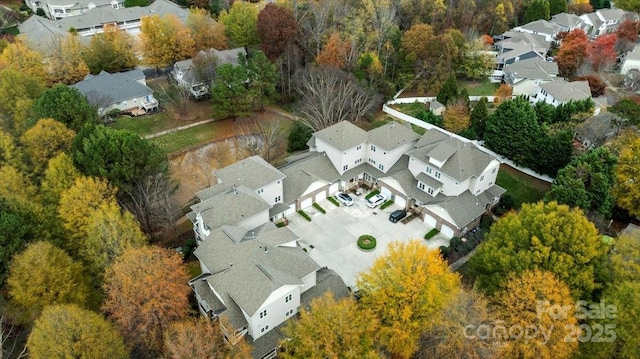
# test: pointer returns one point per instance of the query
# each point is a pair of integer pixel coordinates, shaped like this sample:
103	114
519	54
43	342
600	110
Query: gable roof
252	172
42	34
392	135
566	20
461	159
512	36
534	68
539	26
633	55
301	174
564	91
513	50
117	87
230	206
342	135
229	56
247	272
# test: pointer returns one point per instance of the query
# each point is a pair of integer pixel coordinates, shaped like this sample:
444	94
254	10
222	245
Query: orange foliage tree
572	52
334	53
146	290
503	92
601	51
201	338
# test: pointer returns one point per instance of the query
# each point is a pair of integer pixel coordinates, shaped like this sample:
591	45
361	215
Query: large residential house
568	22
185	76
58	9
41	32
606	21
561	92
255	275
525	76
540	27
123	91
631	61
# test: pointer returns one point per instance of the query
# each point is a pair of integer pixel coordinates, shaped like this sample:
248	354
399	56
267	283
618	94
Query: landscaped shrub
281	224
366	242
319	208
431	233
485	222
371	194
445	251
386	204
334	201
305	215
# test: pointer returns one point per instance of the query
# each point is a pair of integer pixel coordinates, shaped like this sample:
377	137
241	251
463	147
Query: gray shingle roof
231	206
442	151
115	87
301	174
565	19
513	37
391	136
535	68
224	57
342	135
540	26
564	91
43	34
249	271
429	181
252	172
466	159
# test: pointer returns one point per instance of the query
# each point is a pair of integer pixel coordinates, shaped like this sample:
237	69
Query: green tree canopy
67	105
406	289
537	10
262	75
229	91
449	90
513	130
15	232
68	331
545	236
479	117
586	182
43	275
240	23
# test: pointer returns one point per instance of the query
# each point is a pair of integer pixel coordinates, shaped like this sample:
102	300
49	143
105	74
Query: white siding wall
309	281
277	308
340	159
314	186
384	157
255	221
271	192
486	179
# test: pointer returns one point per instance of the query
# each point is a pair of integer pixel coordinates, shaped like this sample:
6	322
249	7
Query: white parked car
374	201
344	198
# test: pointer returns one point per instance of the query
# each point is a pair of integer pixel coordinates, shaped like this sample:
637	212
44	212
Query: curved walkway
402	116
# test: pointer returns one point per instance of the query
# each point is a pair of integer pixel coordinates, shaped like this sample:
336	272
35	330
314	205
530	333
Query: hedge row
305	215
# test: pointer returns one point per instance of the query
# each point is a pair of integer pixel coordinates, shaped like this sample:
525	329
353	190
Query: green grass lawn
179	140
484	88
145	125
193	268
523	188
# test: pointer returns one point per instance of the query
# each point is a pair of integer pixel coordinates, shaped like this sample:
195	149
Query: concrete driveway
331	238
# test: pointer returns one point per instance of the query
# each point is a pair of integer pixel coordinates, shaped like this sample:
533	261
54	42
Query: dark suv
397	215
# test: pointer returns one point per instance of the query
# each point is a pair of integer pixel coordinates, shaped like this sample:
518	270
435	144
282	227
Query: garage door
400	201
447	231
334	188
306	203
430	221
320	196
385	192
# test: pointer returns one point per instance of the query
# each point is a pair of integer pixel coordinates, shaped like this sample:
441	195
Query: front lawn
523	188
180	140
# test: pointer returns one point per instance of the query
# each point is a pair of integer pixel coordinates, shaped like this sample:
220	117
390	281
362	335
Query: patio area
330	239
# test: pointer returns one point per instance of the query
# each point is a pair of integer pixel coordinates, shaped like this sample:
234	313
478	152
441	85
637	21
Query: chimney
266	250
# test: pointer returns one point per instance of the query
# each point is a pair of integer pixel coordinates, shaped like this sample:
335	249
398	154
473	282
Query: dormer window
437	174
428	170
373	148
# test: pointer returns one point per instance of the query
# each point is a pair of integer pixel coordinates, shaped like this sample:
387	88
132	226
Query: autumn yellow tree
43	275
164	40
503	92
109	232
68	331
110	51
448	339
406	289
145	291
205	31
59	176
44	141
540	299
456	117
201	338
9	152
241	23
18	91
626	189
66	63
20	57
332	329
78	203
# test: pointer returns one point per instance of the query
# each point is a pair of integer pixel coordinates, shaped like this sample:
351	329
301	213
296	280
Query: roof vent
235	191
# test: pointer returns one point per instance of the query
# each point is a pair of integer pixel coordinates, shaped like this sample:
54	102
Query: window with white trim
421	185
263	313
430	190
277	199
260	190
381	167
428	170
345	167
287	298
437	174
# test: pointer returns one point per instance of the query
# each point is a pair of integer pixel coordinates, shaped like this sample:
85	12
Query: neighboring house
631	61
516	46
543	28
596	130
186	77
123	91
568	22
58	9
525	76
94	22
561	92
606	21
